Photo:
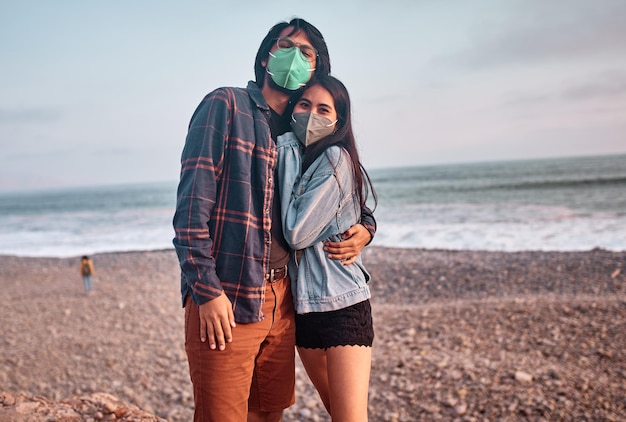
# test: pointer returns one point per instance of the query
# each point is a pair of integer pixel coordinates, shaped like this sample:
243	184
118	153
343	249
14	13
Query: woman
323	189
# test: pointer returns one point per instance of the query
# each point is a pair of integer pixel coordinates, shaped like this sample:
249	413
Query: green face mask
289	68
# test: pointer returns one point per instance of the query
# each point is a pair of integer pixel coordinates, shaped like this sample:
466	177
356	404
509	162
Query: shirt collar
257	96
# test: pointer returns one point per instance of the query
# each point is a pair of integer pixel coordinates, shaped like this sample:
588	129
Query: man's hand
216	322
354	240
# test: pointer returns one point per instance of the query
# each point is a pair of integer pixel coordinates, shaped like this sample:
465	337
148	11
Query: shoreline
459	334
370	247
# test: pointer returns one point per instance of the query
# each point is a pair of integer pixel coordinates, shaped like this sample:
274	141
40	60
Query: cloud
608	86
38	114
546	31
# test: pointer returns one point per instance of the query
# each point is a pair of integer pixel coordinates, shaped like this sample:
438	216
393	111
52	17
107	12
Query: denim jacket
316	207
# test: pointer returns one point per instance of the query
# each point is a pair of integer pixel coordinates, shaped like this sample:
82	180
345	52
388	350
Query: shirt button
270	180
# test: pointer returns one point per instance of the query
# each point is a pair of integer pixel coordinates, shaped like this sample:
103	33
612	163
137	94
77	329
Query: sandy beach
460	335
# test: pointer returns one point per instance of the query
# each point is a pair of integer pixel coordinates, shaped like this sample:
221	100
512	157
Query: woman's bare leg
314	361
348	381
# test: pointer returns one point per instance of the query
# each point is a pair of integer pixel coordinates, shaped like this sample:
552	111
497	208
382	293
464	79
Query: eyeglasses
307	51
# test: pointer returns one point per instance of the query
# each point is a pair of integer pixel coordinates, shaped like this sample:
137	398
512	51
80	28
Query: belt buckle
272	274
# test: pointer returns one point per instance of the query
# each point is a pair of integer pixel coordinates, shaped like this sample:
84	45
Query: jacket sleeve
309	216
201	165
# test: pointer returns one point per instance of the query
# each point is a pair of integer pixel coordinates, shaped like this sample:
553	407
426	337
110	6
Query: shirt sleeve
201	166
368	221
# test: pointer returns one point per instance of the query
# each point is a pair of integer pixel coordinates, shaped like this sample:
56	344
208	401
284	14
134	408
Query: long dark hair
343	136
322	66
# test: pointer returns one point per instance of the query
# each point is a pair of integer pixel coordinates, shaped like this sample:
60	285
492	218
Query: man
239	317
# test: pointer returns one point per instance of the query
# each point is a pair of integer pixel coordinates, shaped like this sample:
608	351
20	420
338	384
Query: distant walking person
86	270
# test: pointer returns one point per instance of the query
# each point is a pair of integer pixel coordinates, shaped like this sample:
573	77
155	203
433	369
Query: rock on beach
460	336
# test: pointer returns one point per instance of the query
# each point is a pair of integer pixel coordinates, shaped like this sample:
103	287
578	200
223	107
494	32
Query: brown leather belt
276	274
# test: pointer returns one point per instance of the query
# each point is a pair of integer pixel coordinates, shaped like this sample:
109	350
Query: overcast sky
102	92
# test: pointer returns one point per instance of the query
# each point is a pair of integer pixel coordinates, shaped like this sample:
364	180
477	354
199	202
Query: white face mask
310	127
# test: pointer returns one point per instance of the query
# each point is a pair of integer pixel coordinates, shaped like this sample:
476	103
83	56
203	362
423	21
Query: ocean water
551	204
568	204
